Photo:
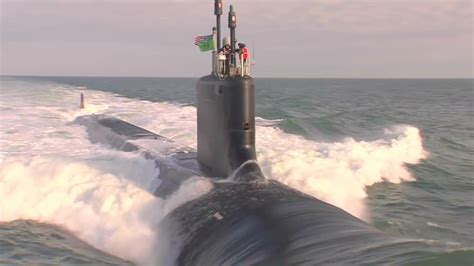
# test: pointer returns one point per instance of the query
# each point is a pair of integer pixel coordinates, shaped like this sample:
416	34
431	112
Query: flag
205	43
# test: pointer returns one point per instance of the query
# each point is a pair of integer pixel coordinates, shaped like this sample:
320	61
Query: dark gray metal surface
226	123
218	13
232	25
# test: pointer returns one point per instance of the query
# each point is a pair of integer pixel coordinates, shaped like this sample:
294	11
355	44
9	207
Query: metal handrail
221	70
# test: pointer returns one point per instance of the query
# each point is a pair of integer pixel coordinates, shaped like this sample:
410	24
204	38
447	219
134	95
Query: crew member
227	51
243	51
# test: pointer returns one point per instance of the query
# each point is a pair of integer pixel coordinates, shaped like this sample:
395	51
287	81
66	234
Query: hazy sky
293	38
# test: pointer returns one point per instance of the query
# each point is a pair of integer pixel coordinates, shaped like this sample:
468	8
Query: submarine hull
180	162
268	223
247	219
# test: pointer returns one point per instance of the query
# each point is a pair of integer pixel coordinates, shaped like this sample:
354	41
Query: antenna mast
218	13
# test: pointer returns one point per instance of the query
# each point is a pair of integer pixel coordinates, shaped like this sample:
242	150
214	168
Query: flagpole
253	52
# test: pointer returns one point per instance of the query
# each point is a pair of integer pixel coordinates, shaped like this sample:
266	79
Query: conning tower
226	107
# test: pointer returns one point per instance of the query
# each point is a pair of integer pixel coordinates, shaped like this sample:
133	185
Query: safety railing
222	68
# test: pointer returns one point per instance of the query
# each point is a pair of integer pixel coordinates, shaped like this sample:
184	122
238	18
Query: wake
50	172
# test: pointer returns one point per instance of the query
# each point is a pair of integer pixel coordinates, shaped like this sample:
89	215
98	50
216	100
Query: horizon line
189	77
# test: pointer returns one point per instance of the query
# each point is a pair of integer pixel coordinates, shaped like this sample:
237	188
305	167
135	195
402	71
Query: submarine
246	219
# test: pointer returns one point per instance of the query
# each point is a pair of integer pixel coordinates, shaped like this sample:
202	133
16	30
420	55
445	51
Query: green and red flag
205	43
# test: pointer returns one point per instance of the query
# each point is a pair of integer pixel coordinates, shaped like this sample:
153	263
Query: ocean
396	153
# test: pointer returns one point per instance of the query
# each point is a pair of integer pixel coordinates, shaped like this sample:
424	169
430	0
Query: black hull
247	219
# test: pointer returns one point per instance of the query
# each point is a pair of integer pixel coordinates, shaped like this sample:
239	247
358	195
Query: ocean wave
99	201
339	172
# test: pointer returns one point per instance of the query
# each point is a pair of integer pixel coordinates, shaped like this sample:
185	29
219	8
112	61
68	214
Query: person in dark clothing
227	51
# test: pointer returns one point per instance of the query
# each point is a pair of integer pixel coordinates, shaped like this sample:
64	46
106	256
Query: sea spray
110	212
339	172
335	172
51	172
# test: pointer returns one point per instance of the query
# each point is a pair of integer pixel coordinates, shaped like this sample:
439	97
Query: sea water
398	154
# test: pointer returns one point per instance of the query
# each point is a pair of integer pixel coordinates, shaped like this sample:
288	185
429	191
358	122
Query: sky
292	38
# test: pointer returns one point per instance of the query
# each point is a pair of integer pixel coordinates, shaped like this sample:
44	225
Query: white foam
52	173
339	172
104	208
